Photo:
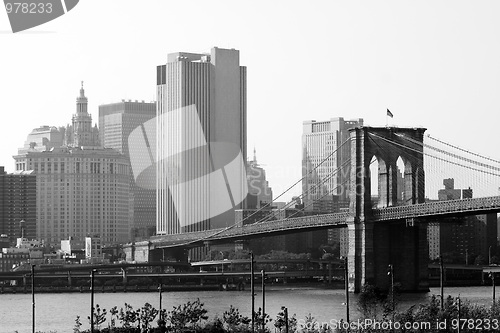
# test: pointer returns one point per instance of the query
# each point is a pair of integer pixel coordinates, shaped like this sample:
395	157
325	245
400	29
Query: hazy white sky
434	64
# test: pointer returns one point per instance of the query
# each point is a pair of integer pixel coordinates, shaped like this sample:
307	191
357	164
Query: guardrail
448	207
327	220
275	226
438	208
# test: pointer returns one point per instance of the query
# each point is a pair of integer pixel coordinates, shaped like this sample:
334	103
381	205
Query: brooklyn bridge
390	233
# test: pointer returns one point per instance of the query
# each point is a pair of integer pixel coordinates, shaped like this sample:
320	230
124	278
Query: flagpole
388	114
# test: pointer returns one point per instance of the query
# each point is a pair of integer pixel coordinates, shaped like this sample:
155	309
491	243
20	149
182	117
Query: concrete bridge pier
69	279
373	246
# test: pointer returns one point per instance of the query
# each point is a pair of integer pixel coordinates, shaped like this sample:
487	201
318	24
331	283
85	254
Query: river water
57	312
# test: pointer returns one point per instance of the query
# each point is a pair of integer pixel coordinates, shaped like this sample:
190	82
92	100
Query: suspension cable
328	193
476	177
323	181
487	166
268	204
293	185
461	149
436	157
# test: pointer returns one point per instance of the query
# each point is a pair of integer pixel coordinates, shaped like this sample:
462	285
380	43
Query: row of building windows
74	167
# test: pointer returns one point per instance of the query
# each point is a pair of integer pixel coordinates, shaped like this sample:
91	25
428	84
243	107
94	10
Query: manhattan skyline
432	64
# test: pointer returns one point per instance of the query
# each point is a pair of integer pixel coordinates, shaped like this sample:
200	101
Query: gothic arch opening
400	179
377	166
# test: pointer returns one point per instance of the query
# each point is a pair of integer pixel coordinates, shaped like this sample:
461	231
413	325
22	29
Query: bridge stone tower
373	245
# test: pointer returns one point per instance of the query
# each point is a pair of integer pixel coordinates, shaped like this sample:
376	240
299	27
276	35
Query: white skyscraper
201	140
319	141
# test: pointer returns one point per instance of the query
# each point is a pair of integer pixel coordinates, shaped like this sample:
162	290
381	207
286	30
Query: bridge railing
185	236
437	208
330	219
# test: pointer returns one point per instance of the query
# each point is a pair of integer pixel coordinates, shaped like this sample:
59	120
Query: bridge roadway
447	208
252	230
435	209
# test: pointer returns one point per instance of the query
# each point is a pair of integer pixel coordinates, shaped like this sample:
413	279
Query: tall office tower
17	204
325	187
201	103
259	192
116	122
328	184
80	132
81	190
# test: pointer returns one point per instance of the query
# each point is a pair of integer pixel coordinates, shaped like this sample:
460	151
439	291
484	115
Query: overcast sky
434	64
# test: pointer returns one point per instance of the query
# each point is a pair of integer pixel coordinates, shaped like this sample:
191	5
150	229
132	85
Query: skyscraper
259	192
17	204
205	97
116	122
81	189
319	141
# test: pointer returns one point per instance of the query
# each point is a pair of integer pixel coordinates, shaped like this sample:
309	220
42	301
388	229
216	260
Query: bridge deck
255	229
332	220
439	209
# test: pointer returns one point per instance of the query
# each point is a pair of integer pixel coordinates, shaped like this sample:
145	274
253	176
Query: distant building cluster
80	175
82	188
462	239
